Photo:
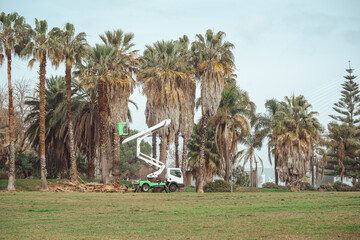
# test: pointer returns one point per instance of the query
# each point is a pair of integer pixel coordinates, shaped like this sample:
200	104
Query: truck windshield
175	173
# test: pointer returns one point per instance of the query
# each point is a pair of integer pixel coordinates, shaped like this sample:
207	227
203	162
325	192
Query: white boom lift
174	179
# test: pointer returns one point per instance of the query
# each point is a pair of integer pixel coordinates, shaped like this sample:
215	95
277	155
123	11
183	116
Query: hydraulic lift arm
149	160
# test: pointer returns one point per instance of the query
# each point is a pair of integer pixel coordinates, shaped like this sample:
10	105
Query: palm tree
212	162
72	49
263	125
162	75
87	128
213	61
187	109
120	90
296	131
102	65
42	46
56	131
252	142
232	123
11	29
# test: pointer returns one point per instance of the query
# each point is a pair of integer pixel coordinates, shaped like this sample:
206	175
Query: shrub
274	186
305	186
356	187
326	187
241	178
217	186
341	187
270	185
26	165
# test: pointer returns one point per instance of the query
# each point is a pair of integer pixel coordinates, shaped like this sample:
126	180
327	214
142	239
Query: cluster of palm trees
167	71
104	76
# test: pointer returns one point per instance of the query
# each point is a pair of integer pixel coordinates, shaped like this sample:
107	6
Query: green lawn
249	215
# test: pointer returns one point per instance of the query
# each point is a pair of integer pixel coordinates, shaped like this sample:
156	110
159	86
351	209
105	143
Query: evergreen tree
344	143
349	104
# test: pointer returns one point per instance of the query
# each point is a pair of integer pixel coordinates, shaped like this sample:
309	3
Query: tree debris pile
68	186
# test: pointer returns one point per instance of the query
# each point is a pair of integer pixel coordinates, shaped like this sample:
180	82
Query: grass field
248	215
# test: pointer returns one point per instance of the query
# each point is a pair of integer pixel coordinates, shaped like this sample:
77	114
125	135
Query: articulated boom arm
149	160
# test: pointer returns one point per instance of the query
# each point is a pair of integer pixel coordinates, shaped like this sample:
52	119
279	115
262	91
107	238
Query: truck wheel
172	187
145	187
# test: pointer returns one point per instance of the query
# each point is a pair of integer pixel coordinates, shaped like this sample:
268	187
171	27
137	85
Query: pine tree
344	135
349	104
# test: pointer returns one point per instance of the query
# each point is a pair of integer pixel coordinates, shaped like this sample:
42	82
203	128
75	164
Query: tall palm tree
11	29
232	123
162	75
101	66
213	61
120	90
72	48
297	131
42	47
187	109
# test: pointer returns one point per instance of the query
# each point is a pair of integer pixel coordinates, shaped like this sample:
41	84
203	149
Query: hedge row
337	186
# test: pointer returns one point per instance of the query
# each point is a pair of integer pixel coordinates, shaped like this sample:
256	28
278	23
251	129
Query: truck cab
174	179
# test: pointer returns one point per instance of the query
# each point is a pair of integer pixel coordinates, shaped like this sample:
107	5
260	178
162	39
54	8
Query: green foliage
341	187
305	186
128	162
348	106
274	186
217	186
327	187
56	133
356	187
240	178
26	165
344	147
82	164
211	156
344	134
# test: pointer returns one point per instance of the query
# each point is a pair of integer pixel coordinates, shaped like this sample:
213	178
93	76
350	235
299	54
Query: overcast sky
282	47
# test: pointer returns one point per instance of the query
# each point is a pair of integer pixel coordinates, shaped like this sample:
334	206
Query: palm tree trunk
11	182
116	156
91	161
177	161
227	169
154	145
184	157
74	175
42	121
251	174
64	169
312	171
276	173
163	152
103	139
202	153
